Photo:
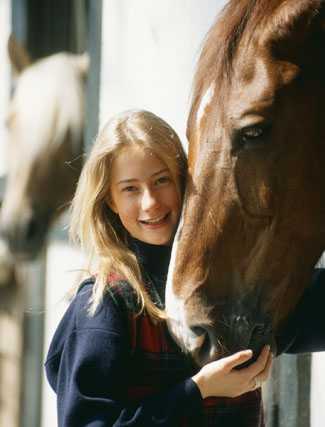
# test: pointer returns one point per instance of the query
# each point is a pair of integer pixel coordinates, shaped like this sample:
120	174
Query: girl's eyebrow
124	181
161	171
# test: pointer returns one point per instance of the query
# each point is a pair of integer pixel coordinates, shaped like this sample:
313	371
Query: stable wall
149	49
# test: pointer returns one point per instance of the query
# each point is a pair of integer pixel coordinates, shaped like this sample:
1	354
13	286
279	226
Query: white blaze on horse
253	223
45	124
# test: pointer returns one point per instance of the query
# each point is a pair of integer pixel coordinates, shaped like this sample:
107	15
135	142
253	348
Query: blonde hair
94	225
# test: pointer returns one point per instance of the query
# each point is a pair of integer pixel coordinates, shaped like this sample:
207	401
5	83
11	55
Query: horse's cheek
253	188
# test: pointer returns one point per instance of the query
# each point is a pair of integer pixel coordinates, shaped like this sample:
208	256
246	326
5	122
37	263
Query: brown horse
45	123
253	224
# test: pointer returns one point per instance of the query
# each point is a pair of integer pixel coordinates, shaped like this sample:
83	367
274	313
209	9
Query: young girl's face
144	195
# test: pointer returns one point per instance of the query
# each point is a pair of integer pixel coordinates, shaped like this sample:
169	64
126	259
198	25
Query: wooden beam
2	187
287	393
93	81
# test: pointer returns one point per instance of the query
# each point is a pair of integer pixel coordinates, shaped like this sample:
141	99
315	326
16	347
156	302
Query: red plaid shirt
160	364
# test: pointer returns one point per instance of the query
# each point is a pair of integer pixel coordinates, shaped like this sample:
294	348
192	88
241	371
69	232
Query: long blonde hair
94	225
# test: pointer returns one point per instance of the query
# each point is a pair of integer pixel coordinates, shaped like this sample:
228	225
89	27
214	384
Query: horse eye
251	134
251	137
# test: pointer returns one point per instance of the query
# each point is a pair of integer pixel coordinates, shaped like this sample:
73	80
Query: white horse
45	124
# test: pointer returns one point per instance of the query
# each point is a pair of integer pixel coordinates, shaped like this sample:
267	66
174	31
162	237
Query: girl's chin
156	238
157	241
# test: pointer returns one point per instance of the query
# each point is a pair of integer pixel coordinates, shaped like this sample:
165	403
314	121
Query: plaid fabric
159	364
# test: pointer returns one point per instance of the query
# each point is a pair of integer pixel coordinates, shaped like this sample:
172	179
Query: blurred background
122	54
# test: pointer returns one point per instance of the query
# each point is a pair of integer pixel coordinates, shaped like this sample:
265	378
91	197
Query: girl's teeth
154	221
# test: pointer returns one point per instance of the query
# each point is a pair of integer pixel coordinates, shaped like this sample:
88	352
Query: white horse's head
45	124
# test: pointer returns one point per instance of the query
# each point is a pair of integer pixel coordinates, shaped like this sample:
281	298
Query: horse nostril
206	345
198	330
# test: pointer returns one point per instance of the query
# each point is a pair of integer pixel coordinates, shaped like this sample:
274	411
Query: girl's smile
144	195
155	222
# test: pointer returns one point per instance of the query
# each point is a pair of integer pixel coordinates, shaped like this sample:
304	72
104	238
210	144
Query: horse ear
297	31
18	55
83	63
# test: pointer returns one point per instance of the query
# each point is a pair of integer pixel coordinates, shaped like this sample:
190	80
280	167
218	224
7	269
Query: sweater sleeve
90	377
305	329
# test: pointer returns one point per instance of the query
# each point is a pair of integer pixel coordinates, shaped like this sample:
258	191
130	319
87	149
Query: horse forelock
48	103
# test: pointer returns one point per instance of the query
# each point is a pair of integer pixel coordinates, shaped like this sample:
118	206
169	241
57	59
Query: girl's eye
129	189
163	180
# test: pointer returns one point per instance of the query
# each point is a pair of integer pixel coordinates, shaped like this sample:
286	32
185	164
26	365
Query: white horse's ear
18	55
83	63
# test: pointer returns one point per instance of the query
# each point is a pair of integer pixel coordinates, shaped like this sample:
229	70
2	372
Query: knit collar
154	262
154	258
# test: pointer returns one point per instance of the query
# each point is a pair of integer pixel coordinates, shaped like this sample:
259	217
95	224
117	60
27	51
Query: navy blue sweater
89	357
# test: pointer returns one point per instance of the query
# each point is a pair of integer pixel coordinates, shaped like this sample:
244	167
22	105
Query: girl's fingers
260	363
265	373
257	381
236	359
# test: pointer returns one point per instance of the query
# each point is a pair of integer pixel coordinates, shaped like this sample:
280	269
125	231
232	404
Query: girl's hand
219	378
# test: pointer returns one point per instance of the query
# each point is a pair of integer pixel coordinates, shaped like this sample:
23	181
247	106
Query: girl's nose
149	200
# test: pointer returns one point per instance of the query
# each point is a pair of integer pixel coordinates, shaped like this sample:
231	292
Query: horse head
45	128
253	226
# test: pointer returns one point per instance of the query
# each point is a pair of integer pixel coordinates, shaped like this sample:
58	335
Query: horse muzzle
26	236
207	343
225	330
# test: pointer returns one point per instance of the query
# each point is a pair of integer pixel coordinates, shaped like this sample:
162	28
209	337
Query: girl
112	361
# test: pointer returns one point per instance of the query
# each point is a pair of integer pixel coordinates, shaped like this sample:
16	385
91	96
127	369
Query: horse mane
50	89
238	19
